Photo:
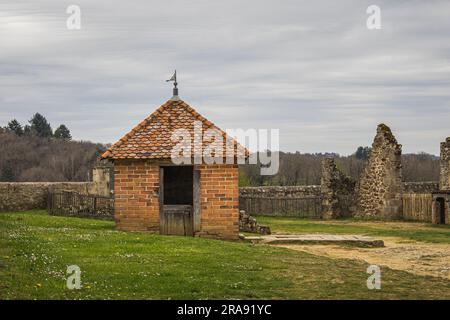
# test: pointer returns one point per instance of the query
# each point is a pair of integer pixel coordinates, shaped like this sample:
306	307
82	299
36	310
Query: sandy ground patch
382	225
420	258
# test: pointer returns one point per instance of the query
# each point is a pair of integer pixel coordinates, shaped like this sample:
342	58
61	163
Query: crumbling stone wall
22	196
338	191
299	201
103	179
279	191
420	187
247	223
380	187
444	183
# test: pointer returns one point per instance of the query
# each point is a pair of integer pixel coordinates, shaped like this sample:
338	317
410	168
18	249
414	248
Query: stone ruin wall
444	183
22	196
338	197
420	187
103	181
280	191
380	189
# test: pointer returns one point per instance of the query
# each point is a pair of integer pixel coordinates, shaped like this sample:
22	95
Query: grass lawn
35	250
407	230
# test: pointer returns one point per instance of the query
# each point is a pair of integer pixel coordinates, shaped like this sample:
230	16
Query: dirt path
415	257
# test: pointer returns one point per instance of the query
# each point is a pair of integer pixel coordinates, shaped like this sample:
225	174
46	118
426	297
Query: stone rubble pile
247	223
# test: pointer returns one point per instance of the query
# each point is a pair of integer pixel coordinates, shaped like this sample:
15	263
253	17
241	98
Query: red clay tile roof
151	139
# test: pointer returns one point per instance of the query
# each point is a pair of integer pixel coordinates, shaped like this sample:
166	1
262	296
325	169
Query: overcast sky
311	69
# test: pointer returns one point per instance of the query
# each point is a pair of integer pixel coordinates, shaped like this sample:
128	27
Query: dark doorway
176	200
178	185
441	210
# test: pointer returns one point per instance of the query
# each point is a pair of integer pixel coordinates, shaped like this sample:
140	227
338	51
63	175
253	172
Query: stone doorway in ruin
440	202
440	214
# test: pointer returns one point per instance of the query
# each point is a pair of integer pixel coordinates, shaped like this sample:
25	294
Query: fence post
49	200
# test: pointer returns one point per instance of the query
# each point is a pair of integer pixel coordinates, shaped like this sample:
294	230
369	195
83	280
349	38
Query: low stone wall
21	196
279	191
421	187
298	201
304	201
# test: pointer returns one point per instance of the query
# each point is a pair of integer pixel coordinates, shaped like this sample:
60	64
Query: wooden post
161	201
196	201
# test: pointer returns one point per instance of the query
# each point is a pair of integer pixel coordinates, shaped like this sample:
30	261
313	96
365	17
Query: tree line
306	168
35	153
40	127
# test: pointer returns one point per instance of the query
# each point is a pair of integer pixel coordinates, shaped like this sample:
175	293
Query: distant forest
35	152
305	169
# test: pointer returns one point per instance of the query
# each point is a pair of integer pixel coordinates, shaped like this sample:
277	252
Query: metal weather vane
175	83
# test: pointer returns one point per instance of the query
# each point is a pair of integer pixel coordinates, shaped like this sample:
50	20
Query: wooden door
175	218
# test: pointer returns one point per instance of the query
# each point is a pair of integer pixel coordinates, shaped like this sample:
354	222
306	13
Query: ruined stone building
380	192
380	188
337	191
441	198
444	181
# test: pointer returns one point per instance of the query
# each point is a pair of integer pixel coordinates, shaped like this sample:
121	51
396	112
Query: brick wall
219	201
136	191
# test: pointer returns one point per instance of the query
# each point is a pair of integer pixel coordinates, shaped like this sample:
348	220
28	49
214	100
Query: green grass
406	230
35	250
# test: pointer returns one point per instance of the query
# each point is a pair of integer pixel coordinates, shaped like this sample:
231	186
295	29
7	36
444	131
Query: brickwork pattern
136	190
136	193
219	201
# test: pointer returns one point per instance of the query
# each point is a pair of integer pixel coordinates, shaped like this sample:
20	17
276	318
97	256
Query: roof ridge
210	123
118	148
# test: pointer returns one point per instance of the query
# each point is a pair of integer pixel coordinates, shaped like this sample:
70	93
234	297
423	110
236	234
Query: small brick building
153	194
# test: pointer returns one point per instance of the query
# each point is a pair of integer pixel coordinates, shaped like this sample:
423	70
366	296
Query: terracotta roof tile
151	139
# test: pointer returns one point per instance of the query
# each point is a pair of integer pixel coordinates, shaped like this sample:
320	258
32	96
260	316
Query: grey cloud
313	70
